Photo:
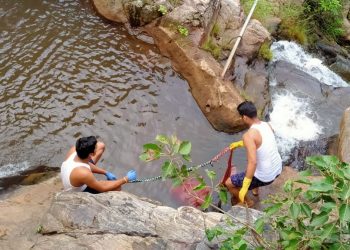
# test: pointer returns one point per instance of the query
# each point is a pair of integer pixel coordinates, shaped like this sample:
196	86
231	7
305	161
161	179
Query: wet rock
111	9
344	137
121	219
342	67
256	89
305	149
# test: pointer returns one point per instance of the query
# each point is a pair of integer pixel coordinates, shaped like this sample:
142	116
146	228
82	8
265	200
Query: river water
66	73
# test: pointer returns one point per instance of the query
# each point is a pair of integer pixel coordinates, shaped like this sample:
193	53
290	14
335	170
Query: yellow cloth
236	144
244	189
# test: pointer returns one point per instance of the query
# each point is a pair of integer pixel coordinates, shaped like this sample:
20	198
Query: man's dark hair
247	108
85	146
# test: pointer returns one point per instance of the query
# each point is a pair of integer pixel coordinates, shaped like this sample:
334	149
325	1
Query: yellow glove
236	144
244	189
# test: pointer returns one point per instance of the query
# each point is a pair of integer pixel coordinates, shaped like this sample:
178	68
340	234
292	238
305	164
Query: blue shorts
237	180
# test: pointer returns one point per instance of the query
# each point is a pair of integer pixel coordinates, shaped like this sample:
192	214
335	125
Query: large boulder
123	221
216	97
111	10
344	137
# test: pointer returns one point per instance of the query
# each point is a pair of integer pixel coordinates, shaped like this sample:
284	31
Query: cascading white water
293	53
292	115
292	123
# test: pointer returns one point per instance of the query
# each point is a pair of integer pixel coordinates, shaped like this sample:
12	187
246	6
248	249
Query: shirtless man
80	164
264	161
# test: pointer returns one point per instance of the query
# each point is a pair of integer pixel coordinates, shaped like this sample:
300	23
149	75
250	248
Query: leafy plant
182	30
163	9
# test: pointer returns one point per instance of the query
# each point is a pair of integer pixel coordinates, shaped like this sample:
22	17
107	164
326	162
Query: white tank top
67	168
268	162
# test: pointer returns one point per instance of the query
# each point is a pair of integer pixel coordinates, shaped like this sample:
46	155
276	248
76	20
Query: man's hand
131	175
110	176
236	144
244	189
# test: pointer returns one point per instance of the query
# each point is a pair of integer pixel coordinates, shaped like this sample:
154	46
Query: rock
342	67
326	103
230	20
272	25
346	22
217	98
123	220
257	90
344	137
111	9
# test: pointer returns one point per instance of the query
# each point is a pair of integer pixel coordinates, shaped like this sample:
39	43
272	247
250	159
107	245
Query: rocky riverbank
40	216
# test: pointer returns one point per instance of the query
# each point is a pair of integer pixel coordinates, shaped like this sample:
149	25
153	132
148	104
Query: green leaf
314	244
327	230
272	209
175	148
152	146
319	219
305	209
185	148
200	186
321	186
303	181
168	170
144	157
259	225
344	213
210	233
345	192
287	187
223	196
187	158
294	210
207	200
328	206
211	174
291	245
163	139
306	173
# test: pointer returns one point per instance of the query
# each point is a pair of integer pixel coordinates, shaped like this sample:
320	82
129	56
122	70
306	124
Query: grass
211	47
265	51
263	10
215	30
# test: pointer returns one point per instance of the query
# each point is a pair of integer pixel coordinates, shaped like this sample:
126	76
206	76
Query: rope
210	162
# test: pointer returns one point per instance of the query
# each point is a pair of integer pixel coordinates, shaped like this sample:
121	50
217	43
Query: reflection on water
64	73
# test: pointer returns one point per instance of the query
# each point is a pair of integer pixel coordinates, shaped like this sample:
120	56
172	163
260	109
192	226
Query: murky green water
66	73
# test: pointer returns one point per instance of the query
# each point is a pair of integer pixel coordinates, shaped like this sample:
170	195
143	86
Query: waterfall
294	116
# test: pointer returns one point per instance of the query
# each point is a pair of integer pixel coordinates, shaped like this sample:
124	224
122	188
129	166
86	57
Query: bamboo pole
233	51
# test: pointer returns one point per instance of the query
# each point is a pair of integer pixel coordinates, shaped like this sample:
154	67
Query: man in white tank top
77	171
264	161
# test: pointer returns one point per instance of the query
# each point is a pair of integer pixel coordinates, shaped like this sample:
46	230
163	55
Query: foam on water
293	53
13	169
291	121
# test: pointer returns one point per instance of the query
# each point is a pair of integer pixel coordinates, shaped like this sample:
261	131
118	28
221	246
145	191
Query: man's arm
86	177
96	169
250	146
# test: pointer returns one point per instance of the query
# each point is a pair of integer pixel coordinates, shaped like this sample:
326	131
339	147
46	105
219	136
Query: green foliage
264	9
163	9
265	51
293	24
325	17
211	47
39	229
318	217
182	30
